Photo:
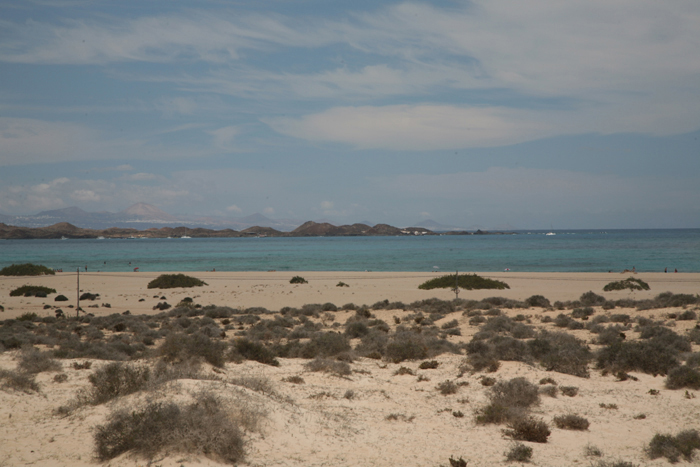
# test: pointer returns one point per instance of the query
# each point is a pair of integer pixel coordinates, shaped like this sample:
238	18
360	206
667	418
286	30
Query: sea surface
533	251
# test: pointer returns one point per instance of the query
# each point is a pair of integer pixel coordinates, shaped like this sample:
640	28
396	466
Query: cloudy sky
488	113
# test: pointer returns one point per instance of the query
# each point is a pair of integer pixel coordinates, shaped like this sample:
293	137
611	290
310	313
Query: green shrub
298	280
406	346
201	427
517	392
571	422
519	453
116	380
591	299
27	269
570	391
61	298
630	283
528	429
582	312
674	447
465	281
683	377
537	301
256	351
169	281
428	365
32	291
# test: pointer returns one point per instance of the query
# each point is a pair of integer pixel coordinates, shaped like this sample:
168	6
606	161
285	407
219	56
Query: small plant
548	380
457	462
32	291
349	394
570	391
458	414
294	379
428	365
341	284
630	283
537	301
571	422
329	366
298	280
169	281
549	390
519	453
115	380
488	381
465	281
683	377
603	405
61	298
27	269
34	361
18	381
393	417
404	371
528	429
592	451
640	416
447	387
674	447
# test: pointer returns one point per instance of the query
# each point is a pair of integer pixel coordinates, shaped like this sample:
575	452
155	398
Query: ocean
532	251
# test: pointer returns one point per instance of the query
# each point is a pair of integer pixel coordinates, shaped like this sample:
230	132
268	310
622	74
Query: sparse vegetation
630	283
298	280
170	281
519	453
464	281
32	291
674	447
26	269
571	422
528	429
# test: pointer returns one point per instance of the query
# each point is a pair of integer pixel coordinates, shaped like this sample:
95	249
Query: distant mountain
143	211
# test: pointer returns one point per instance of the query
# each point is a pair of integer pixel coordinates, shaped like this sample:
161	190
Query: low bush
18	381
582	313
169	281
519	453
570	391
447	388
27	269
34	361
329	366
406	345
428	365
591	299
465	281
201	427
683	377
32	291
61	298
538	301
256	351
517	392
298	280
571	422
115	380
181	347
674	447
528	429
630	283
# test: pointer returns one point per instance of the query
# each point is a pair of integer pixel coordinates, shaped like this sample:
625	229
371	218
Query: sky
479	114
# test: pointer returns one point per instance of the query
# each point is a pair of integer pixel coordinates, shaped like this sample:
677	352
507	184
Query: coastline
272	290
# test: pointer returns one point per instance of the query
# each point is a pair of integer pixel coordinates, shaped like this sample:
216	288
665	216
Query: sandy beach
273	291
374	416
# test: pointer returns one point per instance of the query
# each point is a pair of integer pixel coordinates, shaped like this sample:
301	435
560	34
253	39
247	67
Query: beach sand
319	423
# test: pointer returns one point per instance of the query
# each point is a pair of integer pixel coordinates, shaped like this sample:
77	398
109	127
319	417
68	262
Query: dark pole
456	284
77	308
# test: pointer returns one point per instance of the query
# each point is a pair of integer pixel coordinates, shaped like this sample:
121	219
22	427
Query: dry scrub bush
181	347
683	377
329	366
447	387
509	400
519	453
18	381
34	361
528	429
674	447
115	380
203	427
571	422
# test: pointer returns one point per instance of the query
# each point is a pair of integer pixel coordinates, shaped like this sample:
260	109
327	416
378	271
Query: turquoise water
568	251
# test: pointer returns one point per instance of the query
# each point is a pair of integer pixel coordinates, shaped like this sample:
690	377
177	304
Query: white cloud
224	137
234	208
422	127
326	205
85	196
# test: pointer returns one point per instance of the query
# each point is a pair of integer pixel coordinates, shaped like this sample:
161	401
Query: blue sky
490	114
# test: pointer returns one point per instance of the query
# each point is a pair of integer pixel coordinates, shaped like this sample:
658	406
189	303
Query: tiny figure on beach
136	269
676	270
86	268
665	269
